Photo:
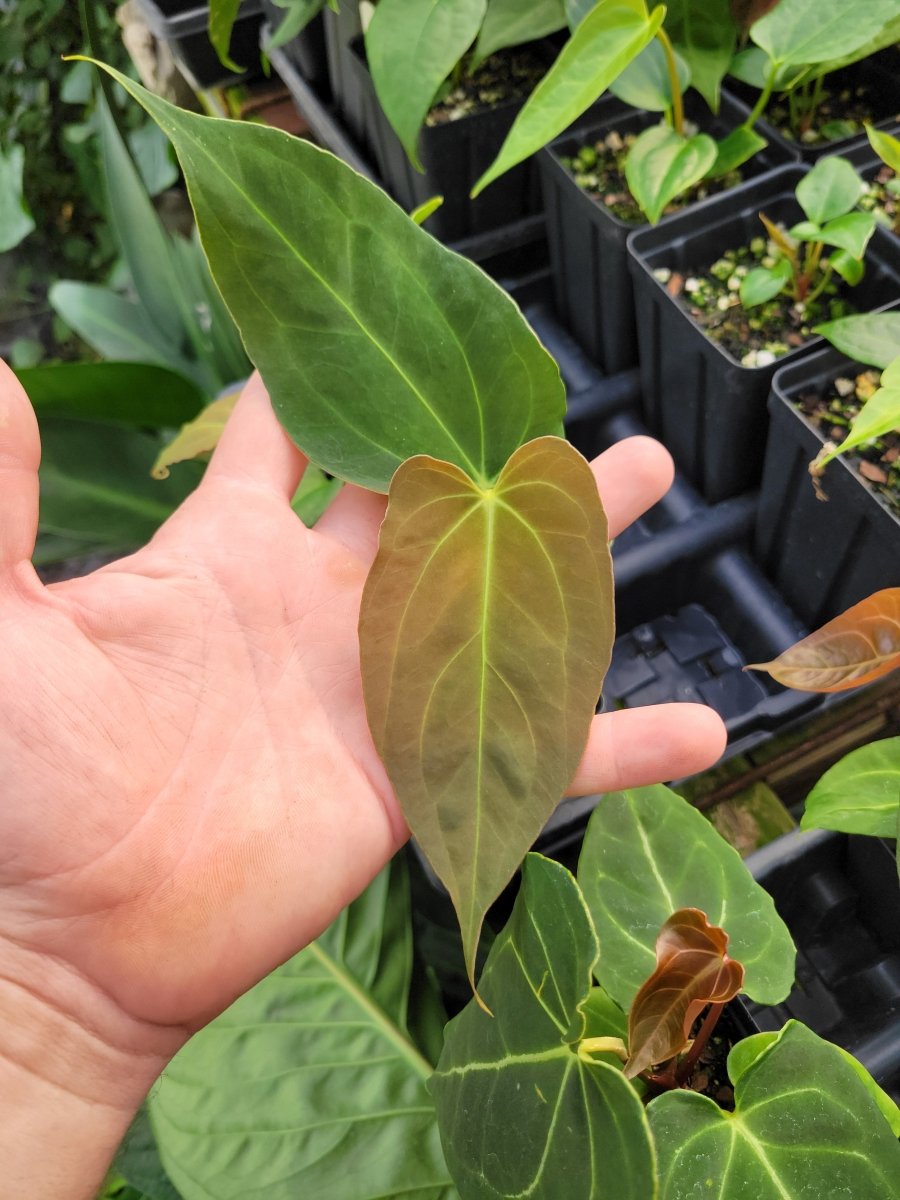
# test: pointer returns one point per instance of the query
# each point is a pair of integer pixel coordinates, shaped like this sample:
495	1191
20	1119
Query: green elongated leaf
872	338
662	164
298	14
830	189
314	495
521	1112
850	232
879	415
814	31
850	269
197	437
153	156
886	146
134	394
412	46
645	81
762	283
735	149
309	1084
859	794
604	43
222	14
510	22
423	211
443	361
485	632
705	34
16	221
804	1124
648	853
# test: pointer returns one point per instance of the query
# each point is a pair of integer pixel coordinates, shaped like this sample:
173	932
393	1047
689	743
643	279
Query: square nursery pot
306	51
183	26
869	165
838	895
454	155
879	75
588	254
708	409
823	557
350	96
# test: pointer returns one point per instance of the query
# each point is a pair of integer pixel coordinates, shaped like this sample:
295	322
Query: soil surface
882	197
598	167
755	337
506	76
841	113
833	410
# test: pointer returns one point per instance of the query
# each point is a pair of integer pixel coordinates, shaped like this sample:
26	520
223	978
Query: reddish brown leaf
860	645
692	970
745	12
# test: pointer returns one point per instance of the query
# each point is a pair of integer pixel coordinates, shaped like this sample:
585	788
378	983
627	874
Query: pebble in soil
755	337
882	197
838	115
831	412
598	167
506	76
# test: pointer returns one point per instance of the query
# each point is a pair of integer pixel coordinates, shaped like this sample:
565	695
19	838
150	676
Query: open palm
188	789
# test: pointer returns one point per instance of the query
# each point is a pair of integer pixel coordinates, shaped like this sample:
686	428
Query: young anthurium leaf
850	269
375	342
604	43
510	23
197	437
879	415
693	969
859	794
851	232
661	165
814	31
804	1124
872	338
735	149
485	632
521	1113
830	189
645	82
423	211
648	853
885	146
752	65
705	33
762	283
222	14
412	46
857	647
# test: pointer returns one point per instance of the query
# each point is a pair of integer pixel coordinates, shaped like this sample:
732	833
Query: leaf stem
823	284
687	1064
764	97
674	82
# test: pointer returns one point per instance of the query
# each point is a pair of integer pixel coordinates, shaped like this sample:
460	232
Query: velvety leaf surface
510	23
521	1114
830	189
813	31
603	44
662	164
693	969
648	853
309	1085
376	343
412	46
804	1125
485	632
124	393
705	34
859	794
858	646
871	338
645	81
197	437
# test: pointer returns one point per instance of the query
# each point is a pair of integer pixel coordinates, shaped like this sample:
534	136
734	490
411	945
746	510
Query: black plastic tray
823	557
340	29
707	408
592	284
184	27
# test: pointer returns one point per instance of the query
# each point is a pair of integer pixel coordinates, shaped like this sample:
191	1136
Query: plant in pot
882	196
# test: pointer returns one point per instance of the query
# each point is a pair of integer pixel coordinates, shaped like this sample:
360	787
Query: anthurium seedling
887	147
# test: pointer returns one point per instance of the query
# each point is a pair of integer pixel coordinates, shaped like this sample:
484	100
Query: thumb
20	454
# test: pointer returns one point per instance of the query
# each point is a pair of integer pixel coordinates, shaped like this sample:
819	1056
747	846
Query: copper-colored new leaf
692	970
485	631
860	645
200	436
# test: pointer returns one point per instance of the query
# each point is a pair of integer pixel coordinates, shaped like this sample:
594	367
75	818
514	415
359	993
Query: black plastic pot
306	51
707	408
350	97
823	557
838	896
454	155
592	285
881	75
184	27
869	164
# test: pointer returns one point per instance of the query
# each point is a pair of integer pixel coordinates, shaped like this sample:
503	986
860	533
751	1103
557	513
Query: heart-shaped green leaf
603	44
645	82
510	23
521	1112
662	164
851	232
830	189
376	343
485	632
872	338
814	31
859	794
648	853
705	33
804	1125
735	149
762	283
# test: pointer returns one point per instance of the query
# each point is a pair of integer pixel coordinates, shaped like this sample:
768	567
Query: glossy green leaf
16	221
850	268
661	165
485	632
412	46
886	146
442	361
645	81
604	43
859	794
804	1124
879	415
705	34
871	338
222	15
423	211
830	189
521	1112
134	394
814	31
510	23
648	853
309	1085
851	232
736	148
762	283
887	35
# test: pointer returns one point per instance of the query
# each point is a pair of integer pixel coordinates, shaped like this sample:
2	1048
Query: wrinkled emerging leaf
871	338
857	647
521	1113
485	632
804	1124
814	31
693	969
198	437
859	794
661	165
